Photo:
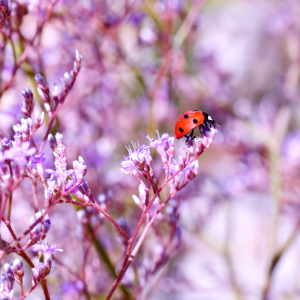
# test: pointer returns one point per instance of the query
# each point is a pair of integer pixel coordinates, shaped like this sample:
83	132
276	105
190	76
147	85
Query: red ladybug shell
188	121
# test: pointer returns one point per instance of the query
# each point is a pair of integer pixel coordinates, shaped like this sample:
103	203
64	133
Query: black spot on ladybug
180	129
195	121
186	116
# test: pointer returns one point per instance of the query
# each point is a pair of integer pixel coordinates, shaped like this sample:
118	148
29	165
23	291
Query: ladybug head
209	120
207	124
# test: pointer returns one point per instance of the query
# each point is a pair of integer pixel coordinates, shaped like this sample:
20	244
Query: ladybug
190	120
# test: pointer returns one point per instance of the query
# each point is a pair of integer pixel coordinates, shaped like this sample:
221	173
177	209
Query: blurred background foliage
144	64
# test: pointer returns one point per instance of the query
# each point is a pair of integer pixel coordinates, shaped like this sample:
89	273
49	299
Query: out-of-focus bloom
72	288
147	35
4	12
5	144
19	154
4	294
18	157
17	140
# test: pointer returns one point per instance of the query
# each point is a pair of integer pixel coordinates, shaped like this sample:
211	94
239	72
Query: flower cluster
15	272
139	161
63	181
59	92
20	158
13	159
39	232
178	175
43	269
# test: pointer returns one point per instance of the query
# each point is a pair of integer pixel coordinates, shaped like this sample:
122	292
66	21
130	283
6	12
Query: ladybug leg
202	129
189	138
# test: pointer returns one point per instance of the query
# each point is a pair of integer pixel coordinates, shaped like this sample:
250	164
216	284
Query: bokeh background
144	64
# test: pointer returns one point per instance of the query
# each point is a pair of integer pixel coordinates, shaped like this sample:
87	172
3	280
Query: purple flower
161	144
38	273
17	140
137	158
173	168
60	172
164	146
47	249
72	288
5	144
38	158
17	267
34	167
70	183
80	168
19	155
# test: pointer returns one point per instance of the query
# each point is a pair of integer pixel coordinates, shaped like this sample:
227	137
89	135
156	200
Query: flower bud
38	273
177	180
17	140
45	228
49	196
17	267
85	187
10	275
138	202
142	193
28	103
25	130
58	138
5	143
51	141
56	93
38	121
195	168
5	282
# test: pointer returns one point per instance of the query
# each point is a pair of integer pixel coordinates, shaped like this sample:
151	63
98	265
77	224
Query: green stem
103	254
